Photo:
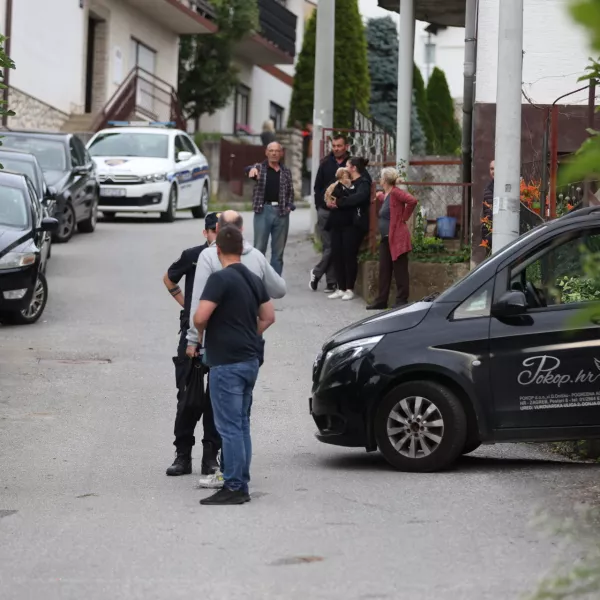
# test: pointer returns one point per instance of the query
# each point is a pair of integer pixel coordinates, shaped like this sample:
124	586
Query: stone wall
33	114
291	140
425	279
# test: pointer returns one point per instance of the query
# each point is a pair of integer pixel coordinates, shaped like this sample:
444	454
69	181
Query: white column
324	72
406	51
508	125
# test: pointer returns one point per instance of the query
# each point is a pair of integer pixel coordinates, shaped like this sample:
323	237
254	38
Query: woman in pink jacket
395	245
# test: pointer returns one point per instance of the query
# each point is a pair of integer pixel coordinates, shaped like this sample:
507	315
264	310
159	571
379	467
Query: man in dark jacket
325	177
185	419
488	211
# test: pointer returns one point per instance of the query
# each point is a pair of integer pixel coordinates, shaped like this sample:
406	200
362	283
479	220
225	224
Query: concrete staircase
80	124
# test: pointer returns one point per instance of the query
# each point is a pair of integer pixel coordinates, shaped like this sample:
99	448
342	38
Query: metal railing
142	93
278	25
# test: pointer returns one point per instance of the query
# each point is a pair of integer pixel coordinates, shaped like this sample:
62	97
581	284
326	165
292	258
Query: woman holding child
349	201
395	245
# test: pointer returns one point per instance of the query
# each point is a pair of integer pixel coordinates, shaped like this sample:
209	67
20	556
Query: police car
149	167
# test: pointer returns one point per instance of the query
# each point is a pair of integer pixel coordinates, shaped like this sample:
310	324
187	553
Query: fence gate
234	159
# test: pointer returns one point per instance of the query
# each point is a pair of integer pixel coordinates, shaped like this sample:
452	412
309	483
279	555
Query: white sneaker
211	482
336	295
348	295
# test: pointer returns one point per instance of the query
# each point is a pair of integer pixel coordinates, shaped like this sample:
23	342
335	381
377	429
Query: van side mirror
511	304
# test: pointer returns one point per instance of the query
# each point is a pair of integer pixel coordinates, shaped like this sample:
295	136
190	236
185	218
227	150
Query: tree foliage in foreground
207	73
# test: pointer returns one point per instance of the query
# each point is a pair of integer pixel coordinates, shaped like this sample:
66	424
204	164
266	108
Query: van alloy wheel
415	427
421	426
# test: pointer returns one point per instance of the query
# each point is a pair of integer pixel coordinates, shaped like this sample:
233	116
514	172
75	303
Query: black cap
210	221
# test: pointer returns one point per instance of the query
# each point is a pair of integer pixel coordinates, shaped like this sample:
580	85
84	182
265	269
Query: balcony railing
278	25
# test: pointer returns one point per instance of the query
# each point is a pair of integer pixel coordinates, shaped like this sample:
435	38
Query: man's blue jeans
231	389
270	223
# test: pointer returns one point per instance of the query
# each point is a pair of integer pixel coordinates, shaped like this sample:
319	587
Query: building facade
265	90
442	47
82	62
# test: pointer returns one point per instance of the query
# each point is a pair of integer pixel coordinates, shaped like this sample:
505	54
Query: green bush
441	111
420	98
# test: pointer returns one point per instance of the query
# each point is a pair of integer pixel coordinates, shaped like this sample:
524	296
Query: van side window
478	304
556	274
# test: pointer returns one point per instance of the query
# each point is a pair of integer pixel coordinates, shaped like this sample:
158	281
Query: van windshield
494	259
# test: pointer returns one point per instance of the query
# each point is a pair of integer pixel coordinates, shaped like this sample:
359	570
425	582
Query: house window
242	107
276	115
429	53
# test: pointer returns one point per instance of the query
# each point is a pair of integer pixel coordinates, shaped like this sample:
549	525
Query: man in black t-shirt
185	419
234	310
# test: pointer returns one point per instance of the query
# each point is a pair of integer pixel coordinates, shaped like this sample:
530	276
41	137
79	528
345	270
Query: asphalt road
86	412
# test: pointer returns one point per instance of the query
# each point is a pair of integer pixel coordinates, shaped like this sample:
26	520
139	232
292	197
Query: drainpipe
8	34
468	102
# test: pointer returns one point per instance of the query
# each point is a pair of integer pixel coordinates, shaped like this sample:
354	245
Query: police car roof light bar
142	123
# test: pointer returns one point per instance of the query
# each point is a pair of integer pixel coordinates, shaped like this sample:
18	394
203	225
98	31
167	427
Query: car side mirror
49	224
51	193
511	304
82	169
183	156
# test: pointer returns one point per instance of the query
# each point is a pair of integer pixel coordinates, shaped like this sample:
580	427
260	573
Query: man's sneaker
182	465
336	295
313	284
214	481
330	289
348	295
225	497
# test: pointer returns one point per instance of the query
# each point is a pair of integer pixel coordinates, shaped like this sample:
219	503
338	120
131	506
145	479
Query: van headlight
16	260
342	355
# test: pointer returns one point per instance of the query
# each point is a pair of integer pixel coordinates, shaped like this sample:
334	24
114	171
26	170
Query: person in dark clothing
326	175
349	226
268	133
235	310
488	211
185	419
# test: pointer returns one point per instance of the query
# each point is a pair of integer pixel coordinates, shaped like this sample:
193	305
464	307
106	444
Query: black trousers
387	267
185	419
345	246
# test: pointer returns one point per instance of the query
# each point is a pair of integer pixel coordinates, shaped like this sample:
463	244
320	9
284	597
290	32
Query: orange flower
485	220
484	244
569	207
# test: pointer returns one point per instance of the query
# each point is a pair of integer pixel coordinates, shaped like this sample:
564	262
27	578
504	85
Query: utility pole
508	125
324	73
7	48
406	51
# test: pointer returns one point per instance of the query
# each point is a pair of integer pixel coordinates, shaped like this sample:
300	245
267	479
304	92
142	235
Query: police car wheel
199	212
421	426
169	215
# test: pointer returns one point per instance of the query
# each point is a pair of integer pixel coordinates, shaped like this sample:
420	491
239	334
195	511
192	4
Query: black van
506	354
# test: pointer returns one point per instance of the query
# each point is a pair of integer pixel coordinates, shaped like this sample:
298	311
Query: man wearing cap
185	419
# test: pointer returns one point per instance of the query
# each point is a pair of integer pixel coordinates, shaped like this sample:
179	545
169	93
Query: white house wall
48	47
449	55
556	52
267	89
126	22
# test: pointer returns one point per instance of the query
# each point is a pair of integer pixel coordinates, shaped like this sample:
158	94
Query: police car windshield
13	207
125	143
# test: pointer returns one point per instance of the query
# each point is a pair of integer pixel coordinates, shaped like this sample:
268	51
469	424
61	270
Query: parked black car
23	250
506	354
69	170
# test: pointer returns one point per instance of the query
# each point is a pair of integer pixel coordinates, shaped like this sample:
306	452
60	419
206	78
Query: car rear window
13	207
24	167
124	143
51	154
